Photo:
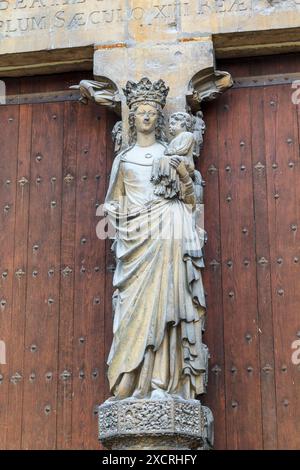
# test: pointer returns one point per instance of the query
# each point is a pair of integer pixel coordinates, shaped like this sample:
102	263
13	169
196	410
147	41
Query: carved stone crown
145	90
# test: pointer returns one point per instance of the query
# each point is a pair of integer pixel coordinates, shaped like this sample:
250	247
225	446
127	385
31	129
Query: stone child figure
181	126
178	154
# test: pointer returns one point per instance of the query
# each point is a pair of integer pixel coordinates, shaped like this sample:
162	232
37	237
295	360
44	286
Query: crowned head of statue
146	101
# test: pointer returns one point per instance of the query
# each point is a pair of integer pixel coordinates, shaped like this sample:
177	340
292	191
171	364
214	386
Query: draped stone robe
159	303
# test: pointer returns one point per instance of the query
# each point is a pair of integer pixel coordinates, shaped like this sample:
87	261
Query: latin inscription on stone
30	25
18	17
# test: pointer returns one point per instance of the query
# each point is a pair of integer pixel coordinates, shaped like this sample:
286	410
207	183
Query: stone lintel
46	62
225	45
256	43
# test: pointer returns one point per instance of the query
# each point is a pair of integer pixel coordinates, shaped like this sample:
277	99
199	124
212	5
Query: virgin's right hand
177	163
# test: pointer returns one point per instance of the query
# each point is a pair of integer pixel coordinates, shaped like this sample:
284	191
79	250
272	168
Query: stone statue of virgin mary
159	304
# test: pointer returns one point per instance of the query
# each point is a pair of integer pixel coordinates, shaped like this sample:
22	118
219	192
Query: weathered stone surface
35	25
187	67
152	424
176	64
27	25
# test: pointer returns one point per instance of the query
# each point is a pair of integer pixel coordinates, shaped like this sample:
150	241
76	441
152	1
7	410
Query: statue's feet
137	395
113	398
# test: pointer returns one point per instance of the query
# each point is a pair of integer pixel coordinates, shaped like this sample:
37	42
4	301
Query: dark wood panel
239	284
67	276
16	359
8	172
214	335
42	309
283	200
259	107
88	359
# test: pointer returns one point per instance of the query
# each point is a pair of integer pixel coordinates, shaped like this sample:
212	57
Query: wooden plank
9	117
224	136
263	271
42	308
283	201
88	355
22	183
243	415
66	321
210	161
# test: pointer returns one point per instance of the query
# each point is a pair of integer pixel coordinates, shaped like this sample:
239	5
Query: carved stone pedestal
170	424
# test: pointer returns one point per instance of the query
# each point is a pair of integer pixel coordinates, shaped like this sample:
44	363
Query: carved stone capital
153	424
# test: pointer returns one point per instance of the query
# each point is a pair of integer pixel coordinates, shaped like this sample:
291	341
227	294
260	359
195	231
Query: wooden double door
55	274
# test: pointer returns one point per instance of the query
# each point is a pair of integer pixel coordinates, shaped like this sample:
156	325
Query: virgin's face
146	118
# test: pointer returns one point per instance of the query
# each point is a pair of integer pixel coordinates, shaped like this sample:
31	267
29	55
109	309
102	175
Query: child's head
180	122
